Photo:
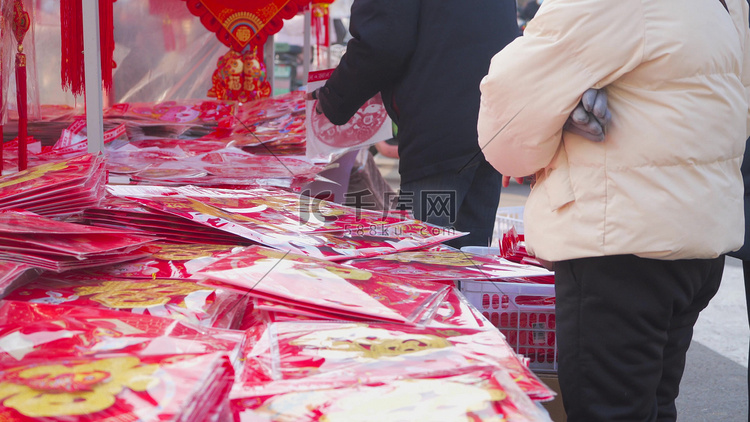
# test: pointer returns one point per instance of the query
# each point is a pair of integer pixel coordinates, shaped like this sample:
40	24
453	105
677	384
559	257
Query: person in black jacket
427	58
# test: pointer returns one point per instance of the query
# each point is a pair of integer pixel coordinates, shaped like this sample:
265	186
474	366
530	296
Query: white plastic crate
506	218
524	313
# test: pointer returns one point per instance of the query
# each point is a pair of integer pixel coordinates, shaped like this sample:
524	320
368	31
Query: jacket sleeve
744	27
535	82
384	36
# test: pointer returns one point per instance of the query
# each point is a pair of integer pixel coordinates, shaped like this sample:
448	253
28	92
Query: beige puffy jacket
665	183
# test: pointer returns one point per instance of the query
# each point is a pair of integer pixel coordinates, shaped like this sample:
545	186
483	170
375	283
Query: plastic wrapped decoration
43	242
168	260
442	263
240	76
308	354
115	387
476	396
318	285
181	300
38	331
55	187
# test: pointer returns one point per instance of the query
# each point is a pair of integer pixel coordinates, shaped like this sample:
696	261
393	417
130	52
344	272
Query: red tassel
107	41
23	158
71	28
72	70
21	25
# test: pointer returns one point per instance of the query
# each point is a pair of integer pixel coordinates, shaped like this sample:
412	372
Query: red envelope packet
116	212
192	112
443	264
480	395
182	300
176	261
275	209
115	387
55	245
60	197
40	179
199	212
40	331
349	353
319	284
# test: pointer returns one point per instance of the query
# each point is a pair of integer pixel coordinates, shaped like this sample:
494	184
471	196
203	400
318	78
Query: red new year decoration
21	25
321	26
239	23
244	26
71	28
240	77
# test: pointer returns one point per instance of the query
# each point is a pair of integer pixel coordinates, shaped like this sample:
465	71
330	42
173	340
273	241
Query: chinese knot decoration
244	26
240	77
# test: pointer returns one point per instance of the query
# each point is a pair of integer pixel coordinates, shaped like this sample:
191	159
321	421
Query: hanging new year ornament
20	25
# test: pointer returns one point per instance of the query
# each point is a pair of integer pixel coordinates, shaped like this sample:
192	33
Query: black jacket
427	58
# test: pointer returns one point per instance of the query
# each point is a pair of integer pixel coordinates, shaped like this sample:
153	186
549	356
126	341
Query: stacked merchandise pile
79	363
29	238
207	143
276	218
214	143
249	304
57	188
326	336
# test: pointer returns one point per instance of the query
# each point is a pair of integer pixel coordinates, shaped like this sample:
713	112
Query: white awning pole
306	51
93	72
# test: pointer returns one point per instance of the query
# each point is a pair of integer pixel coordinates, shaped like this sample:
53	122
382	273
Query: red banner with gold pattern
239	23
244	26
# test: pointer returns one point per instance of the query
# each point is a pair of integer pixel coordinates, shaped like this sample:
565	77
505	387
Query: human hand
506	181
313	96
591	116
387	150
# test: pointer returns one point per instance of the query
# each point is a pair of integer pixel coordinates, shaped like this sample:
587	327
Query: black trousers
466	201
746	273
624	325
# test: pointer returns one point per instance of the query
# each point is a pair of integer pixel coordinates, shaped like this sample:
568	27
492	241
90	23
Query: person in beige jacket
636	225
